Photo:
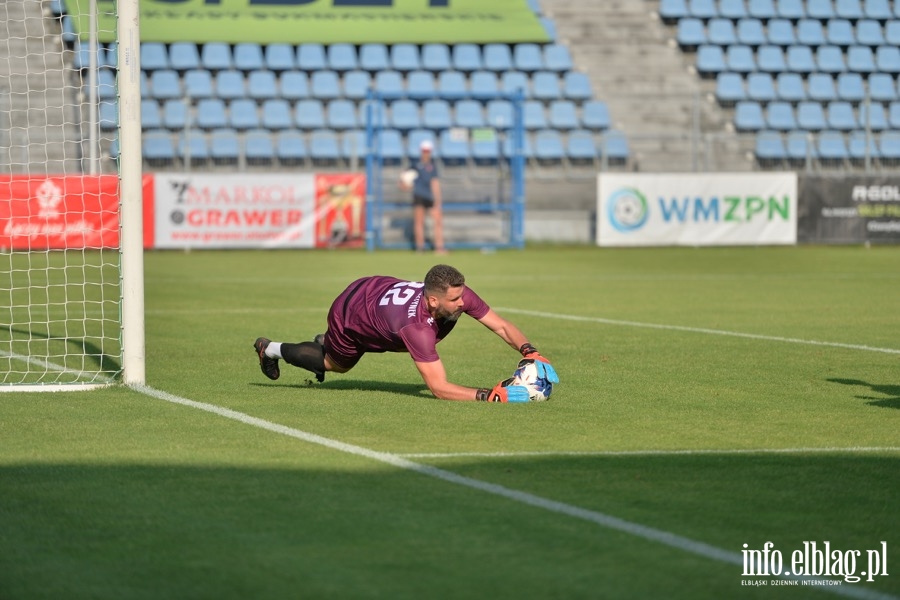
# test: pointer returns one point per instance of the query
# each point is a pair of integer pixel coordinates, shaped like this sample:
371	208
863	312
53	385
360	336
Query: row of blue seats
672	10
325	146
344	114
466	57
692	32
712	60
814	116
325	85
773	147
819	87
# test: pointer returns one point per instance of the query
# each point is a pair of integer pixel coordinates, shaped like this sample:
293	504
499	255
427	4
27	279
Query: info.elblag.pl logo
813	564
627	209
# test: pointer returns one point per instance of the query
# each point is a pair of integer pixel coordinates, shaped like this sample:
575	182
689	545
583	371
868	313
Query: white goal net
63	189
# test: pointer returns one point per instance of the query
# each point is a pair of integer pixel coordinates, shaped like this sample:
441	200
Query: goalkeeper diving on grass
386	314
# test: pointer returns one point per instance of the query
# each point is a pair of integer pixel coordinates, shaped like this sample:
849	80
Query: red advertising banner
340	210
58	211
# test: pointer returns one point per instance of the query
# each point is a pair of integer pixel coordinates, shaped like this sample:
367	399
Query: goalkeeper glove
503	392
545	369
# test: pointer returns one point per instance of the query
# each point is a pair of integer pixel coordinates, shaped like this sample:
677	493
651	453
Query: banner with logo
323	21
59	212
696	209
340	210
853	209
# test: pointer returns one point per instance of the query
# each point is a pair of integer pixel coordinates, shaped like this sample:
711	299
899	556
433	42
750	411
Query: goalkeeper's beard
440	313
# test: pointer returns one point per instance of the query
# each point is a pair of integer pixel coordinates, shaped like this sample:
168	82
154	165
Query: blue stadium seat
183	56
106	84
404	115
436	114
193	147
497	57
614	147
791	9
800	59
732	9
528	57
889	146
342	57
507	148
557	58
761	87
848	9
294	85
721	31
211	113
405	57
811	116
799	148
230	85
831	147
108	115
748	116
780	32
353	145
873	117
887	59
109	56
841	117
175	114
670	11
224	146
466	57
340	114
595	115
821	10
580	147
512	82
453	151
859	146
324	147
414	138
485	151
158	147
69	35
549	26
769	147
500	114
258	147
357	84
165	84
878	9
389	84
751	32
452	85
690	34
483	85
216	56
810	32
311	57
420	85
243	115
436	57
703	9
576	86
261	85
563	115
248	56
468	114
151	118
882	88
325	85
820	87
770	59
780	116
198	84
851	88
291	148
710	60
762	9
830	59
740	59
860	59
790	88
869	33
277	114
280	57
154	56
839	32
374	57
309	114
533	115
545	86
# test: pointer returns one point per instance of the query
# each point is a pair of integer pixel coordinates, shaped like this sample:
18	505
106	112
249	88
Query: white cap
426	145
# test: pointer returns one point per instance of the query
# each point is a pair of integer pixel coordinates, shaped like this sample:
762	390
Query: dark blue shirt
427	172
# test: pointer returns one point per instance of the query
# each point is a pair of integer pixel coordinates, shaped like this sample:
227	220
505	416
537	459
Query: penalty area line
642	531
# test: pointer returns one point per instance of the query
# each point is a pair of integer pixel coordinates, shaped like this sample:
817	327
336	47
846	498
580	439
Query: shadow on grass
332	383
892	390
92	352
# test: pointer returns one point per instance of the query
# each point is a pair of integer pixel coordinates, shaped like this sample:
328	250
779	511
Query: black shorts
423	201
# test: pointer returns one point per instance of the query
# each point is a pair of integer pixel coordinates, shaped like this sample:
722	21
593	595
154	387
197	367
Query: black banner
849	210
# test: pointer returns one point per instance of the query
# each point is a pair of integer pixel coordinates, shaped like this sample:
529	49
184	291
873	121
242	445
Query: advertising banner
323	21
59	212
852	209
696	209
340	210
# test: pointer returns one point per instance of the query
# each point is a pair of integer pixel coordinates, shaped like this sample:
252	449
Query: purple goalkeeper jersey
386	314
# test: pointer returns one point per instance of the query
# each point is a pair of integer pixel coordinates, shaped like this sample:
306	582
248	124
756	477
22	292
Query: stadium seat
690	34
762	9
831	147
563	115
887	59
740	59
243	115
840	116
821	10
356	84
389	84
800	59
761	87
789	87
405	57
528	57
183	56
860	146
830	59
769	148
811	116
216	56
420	85
277	114
108	115
879	10
109	55
595	115
780	32
576	86
294	85
703	9
436	57
549	26
500	114
556	58
106	84
193	147
311	57
873	117
261	85
882	88
151	118
158	148
512	82
721	31
810	32
309	114
485	150
670	11
340	115
791	9
224	146
889	147
453	151
198	84
404	115
341	57
839	32
732	9
175	114
751	32
468	114
710	60
291	148
820	87
545	86
580	148
851	88
280	57
483	85
325	85
436	114
211	113
452	85
230	85
258	147
374	57
248	56
165	84
748	116
860	59
799	148
154	56
507	148
497	57
533	115
614	147
869	33
324	147
780	116
466	57
848	9
770	59
353	146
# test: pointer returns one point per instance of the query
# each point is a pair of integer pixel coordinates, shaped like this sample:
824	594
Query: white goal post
71	230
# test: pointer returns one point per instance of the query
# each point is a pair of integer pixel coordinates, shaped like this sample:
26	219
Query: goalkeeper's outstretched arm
436	379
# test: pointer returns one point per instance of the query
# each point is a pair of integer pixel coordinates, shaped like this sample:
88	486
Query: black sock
306	355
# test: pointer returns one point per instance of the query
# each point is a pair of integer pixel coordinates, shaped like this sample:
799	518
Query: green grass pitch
720	397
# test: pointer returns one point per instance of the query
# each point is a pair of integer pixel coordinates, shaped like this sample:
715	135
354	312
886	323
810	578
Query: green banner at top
323	21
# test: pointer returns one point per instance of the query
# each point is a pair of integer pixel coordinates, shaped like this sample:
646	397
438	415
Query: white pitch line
752	336
613	453
642	531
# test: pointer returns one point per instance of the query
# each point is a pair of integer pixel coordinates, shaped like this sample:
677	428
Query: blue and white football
526	375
